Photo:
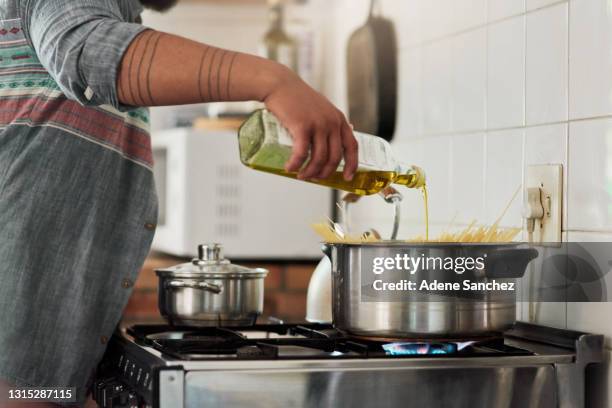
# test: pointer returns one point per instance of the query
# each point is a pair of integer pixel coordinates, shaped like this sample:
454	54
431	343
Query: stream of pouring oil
426	203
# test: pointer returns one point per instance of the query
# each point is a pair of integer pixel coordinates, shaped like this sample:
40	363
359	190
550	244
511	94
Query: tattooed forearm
151	101
229	76
219	97
209	74
163	69
140	78
125	91
200	70
133	84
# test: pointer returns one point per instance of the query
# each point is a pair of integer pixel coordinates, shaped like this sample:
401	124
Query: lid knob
210	252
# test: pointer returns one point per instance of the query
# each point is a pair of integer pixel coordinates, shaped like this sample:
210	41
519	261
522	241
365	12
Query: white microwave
207	195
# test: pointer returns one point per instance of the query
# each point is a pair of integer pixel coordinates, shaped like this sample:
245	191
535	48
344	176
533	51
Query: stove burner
488	337
423	348
405	349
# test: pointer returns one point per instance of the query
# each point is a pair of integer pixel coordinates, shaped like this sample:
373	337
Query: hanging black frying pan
372	76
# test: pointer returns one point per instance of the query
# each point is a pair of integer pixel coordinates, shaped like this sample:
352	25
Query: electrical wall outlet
548	178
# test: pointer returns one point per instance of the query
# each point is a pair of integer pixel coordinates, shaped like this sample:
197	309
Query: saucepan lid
210	263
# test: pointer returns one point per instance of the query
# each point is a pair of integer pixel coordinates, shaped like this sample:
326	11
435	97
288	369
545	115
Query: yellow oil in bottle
365	182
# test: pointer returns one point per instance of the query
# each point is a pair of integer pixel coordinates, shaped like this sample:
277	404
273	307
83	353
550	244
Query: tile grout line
519	127
466	223
452	84
588	231
565	184
451	162
524	124
524	119
485	147
569	19
525	32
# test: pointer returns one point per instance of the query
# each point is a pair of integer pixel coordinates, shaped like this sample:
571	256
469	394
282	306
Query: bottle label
373	152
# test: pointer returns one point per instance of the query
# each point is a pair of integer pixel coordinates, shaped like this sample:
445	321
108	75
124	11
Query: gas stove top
302	341
314	365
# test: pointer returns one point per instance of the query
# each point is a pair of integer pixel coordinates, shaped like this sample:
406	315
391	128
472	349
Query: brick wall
284	296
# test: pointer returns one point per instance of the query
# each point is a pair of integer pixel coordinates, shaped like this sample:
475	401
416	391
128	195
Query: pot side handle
201	285
326	249
508	263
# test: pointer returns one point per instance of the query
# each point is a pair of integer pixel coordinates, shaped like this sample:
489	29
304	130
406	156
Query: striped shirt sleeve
81	44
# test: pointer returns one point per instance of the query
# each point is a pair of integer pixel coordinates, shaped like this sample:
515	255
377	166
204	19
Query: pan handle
389	194
392	196
326	249
201	285
509	263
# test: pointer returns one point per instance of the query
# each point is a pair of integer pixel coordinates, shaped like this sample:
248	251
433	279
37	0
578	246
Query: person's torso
77	213
30	96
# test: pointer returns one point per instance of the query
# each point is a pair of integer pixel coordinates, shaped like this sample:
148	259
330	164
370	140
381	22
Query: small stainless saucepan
211	291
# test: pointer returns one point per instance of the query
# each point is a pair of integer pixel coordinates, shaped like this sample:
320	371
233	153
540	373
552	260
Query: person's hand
316	126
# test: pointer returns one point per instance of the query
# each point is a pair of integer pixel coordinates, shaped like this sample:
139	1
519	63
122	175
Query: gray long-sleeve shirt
77	200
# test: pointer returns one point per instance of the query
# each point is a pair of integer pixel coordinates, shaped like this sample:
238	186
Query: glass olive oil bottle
266	145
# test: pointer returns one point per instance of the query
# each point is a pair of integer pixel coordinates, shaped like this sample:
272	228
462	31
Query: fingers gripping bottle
266	145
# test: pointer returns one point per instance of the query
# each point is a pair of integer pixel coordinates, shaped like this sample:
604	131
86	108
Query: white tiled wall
590	149
504	172
437	87
467	164
488	87
590	58
469	80
506	73
546	65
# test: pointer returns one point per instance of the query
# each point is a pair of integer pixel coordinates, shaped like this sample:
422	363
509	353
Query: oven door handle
201	285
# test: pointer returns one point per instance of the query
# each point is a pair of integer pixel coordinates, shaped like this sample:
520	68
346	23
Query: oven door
469	387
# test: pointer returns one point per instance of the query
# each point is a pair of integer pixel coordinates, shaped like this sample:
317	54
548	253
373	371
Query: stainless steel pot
446	316
211	291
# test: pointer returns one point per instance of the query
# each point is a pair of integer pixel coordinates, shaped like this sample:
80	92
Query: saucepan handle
508	263
201	285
